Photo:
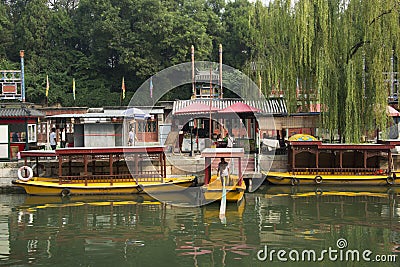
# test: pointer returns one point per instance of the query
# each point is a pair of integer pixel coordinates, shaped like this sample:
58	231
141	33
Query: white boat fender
25	169
318	179
295	181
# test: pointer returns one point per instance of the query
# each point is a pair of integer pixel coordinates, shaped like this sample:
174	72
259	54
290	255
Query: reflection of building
92	229
320	214
123	230
5	210
85	229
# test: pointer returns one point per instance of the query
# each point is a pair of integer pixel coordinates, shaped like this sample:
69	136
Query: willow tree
339	48
371	31
270	62
380	42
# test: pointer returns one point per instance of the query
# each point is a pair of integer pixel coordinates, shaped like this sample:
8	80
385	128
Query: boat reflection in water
367	217
137	230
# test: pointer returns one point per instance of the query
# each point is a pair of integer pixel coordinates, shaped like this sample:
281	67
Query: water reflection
140	231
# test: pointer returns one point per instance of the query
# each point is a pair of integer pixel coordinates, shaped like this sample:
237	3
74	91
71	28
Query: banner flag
47	86
73	87
123	88
151	87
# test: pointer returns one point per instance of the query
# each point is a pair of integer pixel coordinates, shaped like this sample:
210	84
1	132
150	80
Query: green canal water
337	225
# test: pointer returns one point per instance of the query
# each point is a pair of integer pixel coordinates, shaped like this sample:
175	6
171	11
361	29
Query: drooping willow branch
384	13
381	15
354	49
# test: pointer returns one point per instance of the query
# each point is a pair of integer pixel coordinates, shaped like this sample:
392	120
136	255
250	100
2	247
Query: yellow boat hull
234	192
51	187
234	195
287	178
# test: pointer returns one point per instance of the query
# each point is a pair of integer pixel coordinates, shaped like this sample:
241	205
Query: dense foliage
333	50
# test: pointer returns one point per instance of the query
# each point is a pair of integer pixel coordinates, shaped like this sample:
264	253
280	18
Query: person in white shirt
230	140
130	138
53	140
223	170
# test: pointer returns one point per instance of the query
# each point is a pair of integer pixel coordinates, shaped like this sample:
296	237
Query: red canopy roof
196	108
240	107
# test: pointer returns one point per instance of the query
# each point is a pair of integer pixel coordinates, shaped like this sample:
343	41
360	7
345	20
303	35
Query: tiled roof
268	106
19	112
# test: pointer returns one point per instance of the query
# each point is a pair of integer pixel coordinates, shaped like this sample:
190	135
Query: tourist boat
97	171
314	162
213	188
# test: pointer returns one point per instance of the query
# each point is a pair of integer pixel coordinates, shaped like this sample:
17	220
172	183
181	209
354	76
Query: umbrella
302	137
136	114
392	112
240	107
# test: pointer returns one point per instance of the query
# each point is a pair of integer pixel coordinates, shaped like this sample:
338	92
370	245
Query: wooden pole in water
22	54
222	208
220	71
193	77
210	101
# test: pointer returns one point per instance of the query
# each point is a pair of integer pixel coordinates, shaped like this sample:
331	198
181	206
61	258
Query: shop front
18	127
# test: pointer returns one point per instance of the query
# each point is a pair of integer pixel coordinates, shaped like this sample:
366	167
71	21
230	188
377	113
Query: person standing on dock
223	170
229	140
53	140
130	137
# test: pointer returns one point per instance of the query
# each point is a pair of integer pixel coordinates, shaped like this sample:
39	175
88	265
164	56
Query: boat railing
148	176
342	171
145	176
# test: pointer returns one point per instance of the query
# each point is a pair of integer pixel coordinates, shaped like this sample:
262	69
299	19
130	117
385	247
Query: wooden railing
149	176
342	171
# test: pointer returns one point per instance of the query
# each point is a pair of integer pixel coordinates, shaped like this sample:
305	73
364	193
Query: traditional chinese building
18	129
208	115
18	119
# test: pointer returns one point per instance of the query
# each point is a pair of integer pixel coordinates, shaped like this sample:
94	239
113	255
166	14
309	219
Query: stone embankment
8	172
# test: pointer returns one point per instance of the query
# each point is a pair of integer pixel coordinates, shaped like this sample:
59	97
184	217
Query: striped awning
269	106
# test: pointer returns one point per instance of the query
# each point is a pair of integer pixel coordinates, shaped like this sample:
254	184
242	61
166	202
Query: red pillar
207	171
240	172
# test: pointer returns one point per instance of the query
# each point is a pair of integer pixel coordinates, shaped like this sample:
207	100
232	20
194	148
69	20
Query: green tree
6	31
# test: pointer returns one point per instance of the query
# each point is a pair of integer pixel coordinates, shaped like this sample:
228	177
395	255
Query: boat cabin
213	155
315	157
104	165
